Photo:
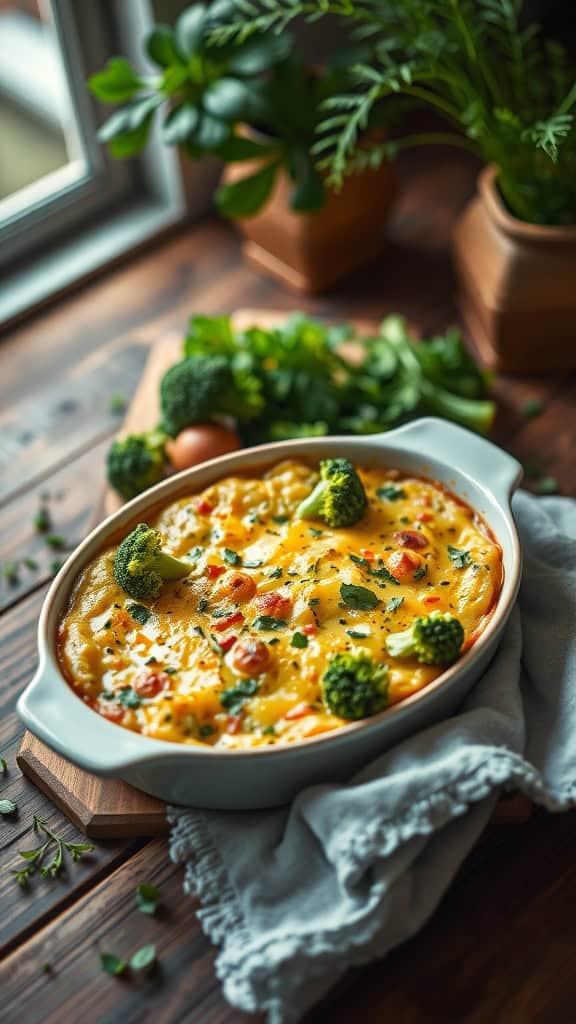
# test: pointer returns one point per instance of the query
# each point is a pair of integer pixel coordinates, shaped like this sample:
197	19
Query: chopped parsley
280	519
55	541
113	964
139	613
381	573
268	622
42	520
252	565
356	634
206	730
299	640
390	492
198	630
359	598
314	532
234	699
147	898
394	604
202	604
170	671
275	573
313	602
459	558
3	766
129	698
214	644
232	557
421	572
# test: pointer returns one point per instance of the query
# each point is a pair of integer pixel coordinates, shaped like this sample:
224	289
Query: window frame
118	205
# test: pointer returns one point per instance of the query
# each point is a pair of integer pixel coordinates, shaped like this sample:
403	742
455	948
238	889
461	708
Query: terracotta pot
517	285
309	252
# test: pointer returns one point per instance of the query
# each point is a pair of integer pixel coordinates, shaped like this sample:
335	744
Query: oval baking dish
471	468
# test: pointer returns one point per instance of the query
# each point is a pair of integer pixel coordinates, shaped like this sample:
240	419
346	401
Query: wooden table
501	946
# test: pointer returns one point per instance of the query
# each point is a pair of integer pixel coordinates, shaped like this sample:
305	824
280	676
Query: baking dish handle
465	451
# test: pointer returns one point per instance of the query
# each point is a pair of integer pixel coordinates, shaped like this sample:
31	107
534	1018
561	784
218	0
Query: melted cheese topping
233	655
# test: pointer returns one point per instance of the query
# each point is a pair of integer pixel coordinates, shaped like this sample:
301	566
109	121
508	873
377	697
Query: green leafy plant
506	93
36	858
207	93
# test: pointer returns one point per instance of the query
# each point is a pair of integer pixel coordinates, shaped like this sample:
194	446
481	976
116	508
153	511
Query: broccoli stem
311	506
473	413
400	645
166	566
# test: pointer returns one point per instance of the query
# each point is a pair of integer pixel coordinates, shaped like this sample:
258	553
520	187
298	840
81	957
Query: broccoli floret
435	639
201	388
339	497
140	565
136	462
353	686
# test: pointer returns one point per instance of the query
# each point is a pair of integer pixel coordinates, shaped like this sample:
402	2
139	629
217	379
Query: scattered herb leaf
268	622
532	407
252	565
275	574
34	858
232	557
42	520
422	571
234	698
359	598
139	613
112	964
357	635
206	730
147	898
215	645
394	604
313	602
202	604
30	563
56	541
314	532
548	485
117	404
143	959
459	558
56	565
390	492
3	766
8	807
10	573
280	519
299	640
129	698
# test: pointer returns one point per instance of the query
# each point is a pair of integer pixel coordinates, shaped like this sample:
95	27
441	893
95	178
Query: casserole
470	467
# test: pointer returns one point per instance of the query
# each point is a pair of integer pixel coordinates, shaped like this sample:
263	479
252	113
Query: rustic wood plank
184	988
22	911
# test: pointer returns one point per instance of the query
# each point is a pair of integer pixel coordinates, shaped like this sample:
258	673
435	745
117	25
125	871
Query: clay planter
517	285
309	252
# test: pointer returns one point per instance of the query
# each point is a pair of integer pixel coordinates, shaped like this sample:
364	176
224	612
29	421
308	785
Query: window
66	208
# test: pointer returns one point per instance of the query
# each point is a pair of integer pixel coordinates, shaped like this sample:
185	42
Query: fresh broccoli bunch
339	497
141	566
434	639
136	462
354	686
202	388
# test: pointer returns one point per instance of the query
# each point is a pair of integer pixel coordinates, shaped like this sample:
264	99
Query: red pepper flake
227	642
214	571
431	600
300	711
229	620
424	517
203	507
411	539
366	553
233	724
310	629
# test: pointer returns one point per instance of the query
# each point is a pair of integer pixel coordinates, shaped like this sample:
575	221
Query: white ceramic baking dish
471	467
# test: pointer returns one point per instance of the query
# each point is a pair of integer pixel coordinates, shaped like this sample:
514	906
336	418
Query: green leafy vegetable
268	622
147	898
234	698
113	964
459	558
359	598
299	640
139	613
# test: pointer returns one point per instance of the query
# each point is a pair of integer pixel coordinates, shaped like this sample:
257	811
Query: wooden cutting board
108	807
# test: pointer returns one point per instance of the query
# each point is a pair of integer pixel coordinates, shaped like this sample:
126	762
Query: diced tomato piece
424	517
234	619
251	656
411	539
431	599
228	641
300	711
214	571
366	553
113	712
403	564
233	724
275	604
203	507
149	683
310	629
238	585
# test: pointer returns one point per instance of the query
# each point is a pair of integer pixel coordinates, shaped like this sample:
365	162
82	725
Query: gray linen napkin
296	896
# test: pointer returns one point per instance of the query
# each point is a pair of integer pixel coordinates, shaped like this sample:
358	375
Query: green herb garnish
275	573
268	622
147	897
206	730
234	698
394	604
139	613
547	485
422	571
202	604
280	519
128	697
30	563
315	532
54	540
299	640
390	492
232	557
35	858
356	634
10	573
8	807
532	407
359	598
42	521
113	965
117	404
459	558
143	959
3	766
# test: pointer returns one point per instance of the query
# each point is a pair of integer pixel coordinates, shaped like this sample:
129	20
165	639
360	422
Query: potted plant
254	105
508	95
